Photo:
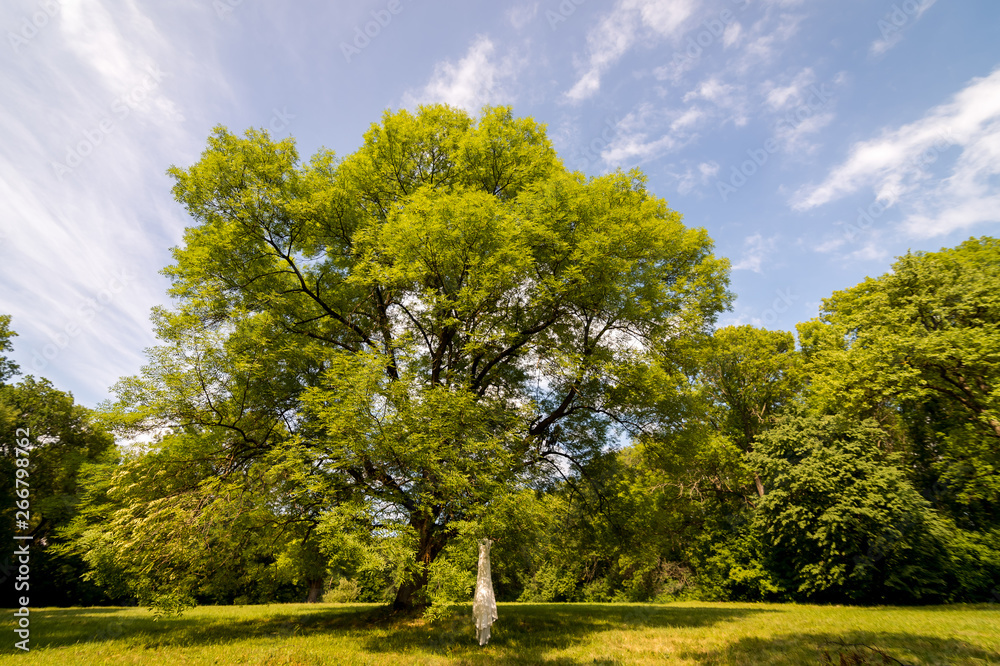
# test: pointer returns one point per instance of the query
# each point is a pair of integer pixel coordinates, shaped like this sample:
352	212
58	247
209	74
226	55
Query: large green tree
437	318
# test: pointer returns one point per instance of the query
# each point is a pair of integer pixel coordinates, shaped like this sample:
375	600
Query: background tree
726	390
918	350
840	521
8	368
224	502
929	329
747	375
434	321
63	439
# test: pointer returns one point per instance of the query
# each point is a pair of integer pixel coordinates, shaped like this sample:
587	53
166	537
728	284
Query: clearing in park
681	633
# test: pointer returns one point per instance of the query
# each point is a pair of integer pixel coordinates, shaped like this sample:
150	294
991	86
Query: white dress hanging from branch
484	607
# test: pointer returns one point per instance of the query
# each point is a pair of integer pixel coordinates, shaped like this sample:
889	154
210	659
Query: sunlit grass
683	633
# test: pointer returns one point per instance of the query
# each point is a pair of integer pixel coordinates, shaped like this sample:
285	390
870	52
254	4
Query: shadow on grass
58	627
848	648
523	633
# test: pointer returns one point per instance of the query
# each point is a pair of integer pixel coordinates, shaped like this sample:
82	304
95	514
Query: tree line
373	361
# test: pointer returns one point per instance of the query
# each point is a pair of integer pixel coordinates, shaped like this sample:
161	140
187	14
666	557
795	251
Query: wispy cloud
746	37
90	121
629	22
695	176
522	15
897	165
780	97
804	105
729	98
765	40
756	250
649	132
901	16
477	79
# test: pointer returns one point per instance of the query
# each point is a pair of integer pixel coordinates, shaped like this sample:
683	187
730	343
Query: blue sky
815	141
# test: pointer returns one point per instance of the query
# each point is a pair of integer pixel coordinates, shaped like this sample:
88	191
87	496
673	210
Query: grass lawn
683	633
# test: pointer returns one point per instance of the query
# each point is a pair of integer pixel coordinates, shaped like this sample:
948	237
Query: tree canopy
372	361
411	332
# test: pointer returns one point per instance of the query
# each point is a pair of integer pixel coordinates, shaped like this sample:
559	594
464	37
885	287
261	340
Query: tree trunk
760	485
315	591
410	595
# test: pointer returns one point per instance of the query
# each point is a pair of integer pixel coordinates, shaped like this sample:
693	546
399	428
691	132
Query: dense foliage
62	441
374	361
369	354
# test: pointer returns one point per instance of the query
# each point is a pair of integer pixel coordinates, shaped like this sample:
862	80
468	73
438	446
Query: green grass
683	633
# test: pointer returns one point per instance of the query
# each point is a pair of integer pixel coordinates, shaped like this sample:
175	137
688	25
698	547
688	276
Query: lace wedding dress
484	607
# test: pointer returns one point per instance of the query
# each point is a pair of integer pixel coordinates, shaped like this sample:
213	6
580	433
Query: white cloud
732	34
896	165
587	86
712	90
690	117
764	41
666	18
622	28
728	97
756	249
649	132
637	148
476	80
829	245
522	15
892	25
88	125
696	176
94	36
804	106
746	43
794	138
966	198
780	97
872	249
